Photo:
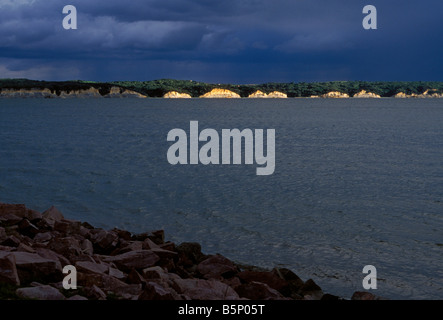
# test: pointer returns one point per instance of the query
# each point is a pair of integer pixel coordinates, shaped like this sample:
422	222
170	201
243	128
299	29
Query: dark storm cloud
222	41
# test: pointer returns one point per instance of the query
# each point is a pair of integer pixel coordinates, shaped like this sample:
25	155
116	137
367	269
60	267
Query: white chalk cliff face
335	94
275	94
115	92
176	95
220	93
364	94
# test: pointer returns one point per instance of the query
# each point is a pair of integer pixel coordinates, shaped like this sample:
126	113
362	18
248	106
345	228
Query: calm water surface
357	182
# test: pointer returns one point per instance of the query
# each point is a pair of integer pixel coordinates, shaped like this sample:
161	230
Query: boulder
43	237
40	293
11	241
51	215
91	267
104	242
18	210
94	292
200	289
138	260
153	291
190	253
258	291
8	270
3	234
311	291
33	267
217	267
25	227
269	278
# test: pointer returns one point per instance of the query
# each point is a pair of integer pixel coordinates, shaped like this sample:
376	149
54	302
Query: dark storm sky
236	41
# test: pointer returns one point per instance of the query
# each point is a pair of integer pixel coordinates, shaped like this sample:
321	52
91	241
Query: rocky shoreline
118	265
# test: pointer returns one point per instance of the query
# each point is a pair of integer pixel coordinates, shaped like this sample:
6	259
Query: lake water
357	181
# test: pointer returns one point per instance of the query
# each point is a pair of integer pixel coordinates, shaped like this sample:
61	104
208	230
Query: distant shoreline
24	88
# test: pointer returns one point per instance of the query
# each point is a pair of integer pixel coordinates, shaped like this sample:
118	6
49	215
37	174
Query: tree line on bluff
158	88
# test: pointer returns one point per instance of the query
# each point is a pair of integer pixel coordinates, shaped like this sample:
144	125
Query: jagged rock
139	259
8	270
311	291
67	227
68	247
25	248
200	289
217	267
91	267
10	219
18	210
94	292
220	93
31	266
154	291
104	241
51	215
155	273
40	293
11	241
51	255
258	291
43	237
87	247
190	253
25	227
113	272
135	278
272	280
3	234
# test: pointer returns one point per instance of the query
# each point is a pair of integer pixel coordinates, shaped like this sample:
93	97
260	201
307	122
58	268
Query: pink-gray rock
52	215
104	241
153	291
217	267
139	259
200	289
94	292
19	210
3	234
91	267
40	293
258	291
8	270
43	237
31	266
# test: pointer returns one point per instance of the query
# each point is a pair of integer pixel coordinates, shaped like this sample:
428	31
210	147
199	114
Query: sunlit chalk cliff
258	94
274	94
335	94
117	92
220	93
364	94
176	95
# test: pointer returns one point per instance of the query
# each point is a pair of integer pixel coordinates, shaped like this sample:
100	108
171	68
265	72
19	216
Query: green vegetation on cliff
157	88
